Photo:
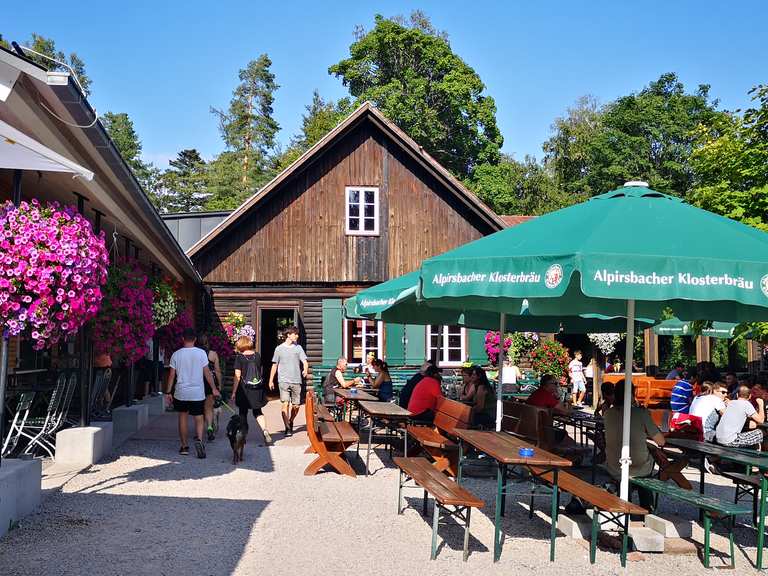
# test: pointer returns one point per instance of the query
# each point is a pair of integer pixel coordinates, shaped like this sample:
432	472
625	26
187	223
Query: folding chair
42	430
17	424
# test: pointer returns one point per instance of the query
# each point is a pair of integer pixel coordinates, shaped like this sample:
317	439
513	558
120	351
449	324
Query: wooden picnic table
739	456
384	411
350	395
505	449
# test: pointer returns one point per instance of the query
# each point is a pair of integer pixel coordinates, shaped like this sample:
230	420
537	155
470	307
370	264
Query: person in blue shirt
682	395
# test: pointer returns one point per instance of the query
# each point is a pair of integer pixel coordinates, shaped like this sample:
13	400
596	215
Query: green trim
476	346
333	327
416	345
394	345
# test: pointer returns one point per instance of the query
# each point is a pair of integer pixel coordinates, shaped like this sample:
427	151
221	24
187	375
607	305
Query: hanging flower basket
125	324
550	357
492	340
52	268
171	337
233	323
606	343
165	304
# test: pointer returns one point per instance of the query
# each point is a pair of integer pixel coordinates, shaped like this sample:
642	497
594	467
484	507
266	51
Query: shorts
290	393
579	386
194	407
748	438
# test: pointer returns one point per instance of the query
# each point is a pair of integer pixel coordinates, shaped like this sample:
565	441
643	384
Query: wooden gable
295	231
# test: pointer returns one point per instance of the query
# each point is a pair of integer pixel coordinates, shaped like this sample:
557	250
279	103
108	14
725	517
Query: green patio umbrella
630	252
675	327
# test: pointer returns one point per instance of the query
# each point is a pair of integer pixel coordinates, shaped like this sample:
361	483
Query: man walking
576	372
290	364
189	365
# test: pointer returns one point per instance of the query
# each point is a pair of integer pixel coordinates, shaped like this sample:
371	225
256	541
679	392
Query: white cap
636	183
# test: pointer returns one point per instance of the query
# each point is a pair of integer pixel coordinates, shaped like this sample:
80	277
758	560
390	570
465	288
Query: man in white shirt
709	407
576	373
189	366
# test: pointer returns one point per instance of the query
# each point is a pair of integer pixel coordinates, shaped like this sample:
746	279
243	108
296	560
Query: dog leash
228	407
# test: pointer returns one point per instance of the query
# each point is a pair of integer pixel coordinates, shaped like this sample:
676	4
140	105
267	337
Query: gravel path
148	510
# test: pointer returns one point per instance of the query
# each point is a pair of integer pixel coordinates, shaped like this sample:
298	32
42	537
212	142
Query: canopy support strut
625	459
499	391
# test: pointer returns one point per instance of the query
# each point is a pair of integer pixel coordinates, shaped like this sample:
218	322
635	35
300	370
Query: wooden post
651	341
703	349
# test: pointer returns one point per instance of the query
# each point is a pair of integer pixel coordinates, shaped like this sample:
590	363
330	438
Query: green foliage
410	72
648	135
184	184
248	130
512	187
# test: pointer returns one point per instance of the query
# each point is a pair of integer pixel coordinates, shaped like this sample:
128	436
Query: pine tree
185	183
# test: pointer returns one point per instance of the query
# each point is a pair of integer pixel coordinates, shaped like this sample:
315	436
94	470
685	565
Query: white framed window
361	337
453	344
362	210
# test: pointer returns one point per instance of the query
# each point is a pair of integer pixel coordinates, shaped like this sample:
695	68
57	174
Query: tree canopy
410	73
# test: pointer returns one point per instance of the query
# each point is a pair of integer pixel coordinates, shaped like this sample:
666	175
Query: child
576	373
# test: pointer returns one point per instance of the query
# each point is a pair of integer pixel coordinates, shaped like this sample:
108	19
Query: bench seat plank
751	479
427	436
443	489
708	503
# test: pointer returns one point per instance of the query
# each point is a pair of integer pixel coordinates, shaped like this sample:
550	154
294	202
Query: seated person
709	406
682	394
423	401
484	400
733	383
607	398
468	388
405	394
510	374
546	396
336	379
676	373
737	414
757	390
383	381
642	428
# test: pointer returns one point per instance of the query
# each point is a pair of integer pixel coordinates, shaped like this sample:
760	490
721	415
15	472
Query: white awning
20	152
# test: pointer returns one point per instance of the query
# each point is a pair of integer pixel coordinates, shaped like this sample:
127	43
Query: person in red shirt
546	396
423	402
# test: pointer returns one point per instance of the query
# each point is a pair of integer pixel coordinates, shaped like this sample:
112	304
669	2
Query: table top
724	452
348	394
504	448
384	409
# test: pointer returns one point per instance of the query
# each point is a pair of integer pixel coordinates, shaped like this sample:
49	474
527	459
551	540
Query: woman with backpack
248	390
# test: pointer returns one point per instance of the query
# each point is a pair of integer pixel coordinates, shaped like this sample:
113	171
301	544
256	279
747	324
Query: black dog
237	431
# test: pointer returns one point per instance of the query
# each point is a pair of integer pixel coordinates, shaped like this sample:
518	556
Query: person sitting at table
546	396
682	394
467	385
483	401
510	374
335	379
369	368
737	414
757	390
405	394
607	398
709	407
676	373
383	381
423	401
642	428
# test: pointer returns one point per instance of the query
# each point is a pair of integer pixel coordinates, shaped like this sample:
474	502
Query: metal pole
3	379
499	404
625	459
155	364
439	349
131	386
85	385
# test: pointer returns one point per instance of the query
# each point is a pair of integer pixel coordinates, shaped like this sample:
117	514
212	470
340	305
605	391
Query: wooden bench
607	507
328	439
746	485
437	440
446	493
714	509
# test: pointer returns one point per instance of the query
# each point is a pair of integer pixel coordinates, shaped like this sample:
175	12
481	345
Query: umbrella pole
499	405
625	459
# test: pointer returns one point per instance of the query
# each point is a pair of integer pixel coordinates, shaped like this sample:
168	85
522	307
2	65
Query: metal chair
41	431
17	424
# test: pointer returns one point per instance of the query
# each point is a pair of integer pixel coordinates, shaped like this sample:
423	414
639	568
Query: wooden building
365	204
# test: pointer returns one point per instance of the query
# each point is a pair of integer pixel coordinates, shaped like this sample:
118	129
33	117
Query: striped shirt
682	394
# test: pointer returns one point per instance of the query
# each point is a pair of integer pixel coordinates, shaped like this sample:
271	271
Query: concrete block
127	420
156	404
574	526
81	447
20	490
672	527
646	540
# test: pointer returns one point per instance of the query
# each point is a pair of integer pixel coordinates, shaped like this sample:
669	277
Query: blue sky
166	63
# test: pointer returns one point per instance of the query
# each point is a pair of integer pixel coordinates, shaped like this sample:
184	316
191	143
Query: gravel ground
148	510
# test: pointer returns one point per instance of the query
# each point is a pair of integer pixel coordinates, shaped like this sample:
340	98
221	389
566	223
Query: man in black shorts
189	365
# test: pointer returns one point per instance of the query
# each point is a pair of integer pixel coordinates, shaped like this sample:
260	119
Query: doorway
272	325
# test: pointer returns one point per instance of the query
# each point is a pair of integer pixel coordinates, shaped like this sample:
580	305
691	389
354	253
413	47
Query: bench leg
466	535
707	527
400	493
624	541
593	539
435	523
424	504
553	529
731	526
501	478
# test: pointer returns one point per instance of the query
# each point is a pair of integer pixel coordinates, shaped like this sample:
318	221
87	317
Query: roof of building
514	219
406	143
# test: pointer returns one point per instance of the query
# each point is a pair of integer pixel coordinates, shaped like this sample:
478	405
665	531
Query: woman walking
248	390
215	367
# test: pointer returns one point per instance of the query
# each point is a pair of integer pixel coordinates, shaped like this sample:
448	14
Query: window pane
354	341
354	196
369	196
370	224
354	210
370	211
354	223
454	341
454	355
433	341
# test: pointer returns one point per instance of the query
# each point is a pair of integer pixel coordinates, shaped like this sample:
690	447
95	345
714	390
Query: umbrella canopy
20	152
629	244
630	251
675	327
